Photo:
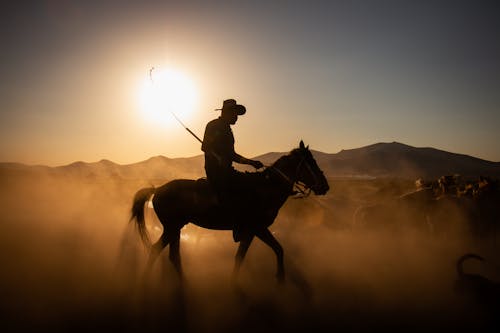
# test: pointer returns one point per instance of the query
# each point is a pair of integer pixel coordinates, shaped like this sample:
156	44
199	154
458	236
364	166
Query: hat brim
239	109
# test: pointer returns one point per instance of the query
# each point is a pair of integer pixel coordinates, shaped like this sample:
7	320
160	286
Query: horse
184	201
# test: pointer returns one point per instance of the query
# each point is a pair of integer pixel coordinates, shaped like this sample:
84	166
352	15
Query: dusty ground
72	263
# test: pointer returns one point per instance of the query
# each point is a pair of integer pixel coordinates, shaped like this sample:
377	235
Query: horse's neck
286	166
284	172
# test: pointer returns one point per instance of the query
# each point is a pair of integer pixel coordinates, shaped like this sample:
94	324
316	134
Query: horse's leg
245	242
267	237
174	254
156	250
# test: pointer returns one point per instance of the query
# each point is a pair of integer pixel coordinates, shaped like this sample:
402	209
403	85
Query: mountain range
374	161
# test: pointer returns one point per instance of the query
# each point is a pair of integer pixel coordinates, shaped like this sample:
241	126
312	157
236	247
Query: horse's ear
301	145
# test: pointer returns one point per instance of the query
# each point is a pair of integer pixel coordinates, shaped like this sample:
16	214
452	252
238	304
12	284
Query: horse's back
196	201
183	198
176	185
182	189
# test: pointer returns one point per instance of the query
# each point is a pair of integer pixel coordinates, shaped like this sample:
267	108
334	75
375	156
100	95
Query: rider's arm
243	160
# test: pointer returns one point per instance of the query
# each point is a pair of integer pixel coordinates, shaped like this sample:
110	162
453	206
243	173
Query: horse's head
307	170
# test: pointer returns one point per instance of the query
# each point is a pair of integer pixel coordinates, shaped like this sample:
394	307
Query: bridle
300	189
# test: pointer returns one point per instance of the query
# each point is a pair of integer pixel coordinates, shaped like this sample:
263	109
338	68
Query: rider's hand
257	164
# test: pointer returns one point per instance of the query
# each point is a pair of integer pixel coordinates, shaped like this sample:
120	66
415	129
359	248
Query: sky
337	74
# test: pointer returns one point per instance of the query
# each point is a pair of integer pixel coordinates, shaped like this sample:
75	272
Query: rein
297	187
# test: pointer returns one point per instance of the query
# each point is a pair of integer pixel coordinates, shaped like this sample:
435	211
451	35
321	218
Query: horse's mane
261	178
286	156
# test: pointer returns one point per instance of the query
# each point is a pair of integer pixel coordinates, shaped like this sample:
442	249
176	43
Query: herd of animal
448	204
444	207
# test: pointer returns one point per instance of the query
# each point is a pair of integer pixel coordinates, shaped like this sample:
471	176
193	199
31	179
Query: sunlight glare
169	92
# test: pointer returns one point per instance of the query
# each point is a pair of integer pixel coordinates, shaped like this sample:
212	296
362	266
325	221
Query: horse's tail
140	199
461	260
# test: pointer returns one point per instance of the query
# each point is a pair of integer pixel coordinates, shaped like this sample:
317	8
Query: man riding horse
183	201
230	185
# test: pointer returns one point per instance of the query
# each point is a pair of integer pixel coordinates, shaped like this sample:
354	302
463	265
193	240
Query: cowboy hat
230	105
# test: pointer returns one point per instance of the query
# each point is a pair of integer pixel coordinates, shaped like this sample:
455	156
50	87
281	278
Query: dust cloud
71	262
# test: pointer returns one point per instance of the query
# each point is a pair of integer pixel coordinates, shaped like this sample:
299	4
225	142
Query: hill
380	160
395	159
403	161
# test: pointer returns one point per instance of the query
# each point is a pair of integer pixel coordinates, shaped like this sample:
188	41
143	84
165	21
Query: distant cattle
439	207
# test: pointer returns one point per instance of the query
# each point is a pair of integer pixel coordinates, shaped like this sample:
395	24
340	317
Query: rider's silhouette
218	146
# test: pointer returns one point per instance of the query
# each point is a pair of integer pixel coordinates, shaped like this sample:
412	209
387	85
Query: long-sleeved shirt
218	146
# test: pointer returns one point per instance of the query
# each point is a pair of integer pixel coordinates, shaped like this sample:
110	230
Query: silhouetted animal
482	290
472	208
448	184
475	210
182	201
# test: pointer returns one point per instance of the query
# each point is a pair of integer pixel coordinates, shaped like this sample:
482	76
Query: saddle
206	193
231	202
236	191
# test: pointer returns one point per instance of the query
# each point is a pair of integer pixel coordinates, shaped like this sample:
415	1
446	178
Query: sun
165	94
